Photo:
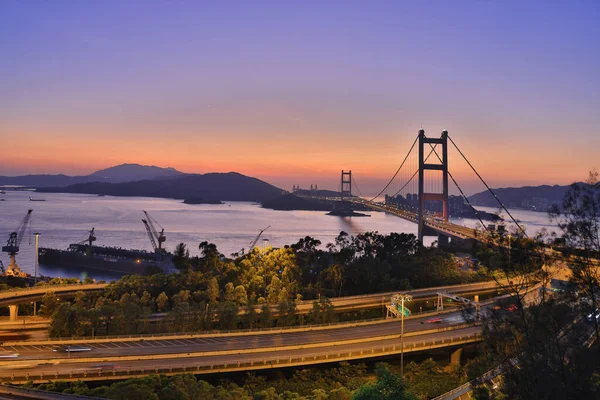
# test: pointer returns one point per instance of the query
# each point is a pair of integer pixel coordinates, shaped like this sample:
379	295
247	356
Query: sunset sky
294	91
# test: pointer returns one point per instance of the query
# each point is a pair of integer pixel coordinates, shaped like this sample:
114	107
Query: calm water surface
66	218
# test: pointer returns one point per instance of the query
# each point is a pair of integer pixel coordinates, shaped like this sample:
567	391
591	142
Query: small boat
31	199
2	192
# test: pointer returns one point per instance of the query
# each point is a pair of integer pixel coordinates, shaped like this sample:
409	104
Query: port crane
256	239
153	233
91	238
13	243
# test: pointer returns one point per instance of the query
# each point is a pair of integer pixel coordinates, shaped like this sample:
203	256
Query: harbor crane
256	239
13	243
153	233
91	238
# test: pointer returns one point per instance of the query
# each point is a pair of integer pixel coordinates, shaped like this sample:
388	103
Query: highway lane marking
187	341
181	343
127	344
37	348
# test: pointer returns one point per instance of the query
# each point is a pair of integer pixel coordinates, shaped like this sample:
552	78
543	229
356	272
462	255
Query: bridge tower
346	185
441	165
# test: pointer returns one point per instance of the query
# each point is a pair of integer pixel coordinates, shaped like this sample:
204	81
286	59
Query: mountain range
151	181
538	198
116	174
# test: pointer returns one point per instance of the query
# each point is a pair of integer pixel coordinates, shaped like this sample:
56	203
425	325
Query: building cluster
456	204
537	204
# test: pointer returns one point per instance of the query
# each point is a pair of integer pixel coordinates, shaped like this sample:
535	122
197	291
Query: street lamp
37	262
402	297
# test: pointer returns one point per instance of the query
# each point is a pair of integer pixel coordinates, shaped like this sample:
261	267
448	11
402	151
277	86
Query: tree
240	296
228	315
181	257
266	317
387	387
229	292
579	219
213	290
162	302
64	321
50	303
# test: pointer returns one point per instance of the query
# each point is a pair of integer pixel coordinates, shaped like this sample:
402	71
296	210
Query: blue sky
292	92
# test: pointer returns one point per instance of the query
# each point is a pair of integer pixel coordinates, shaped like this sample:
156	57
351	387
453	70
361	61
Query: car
103	367
436	320
8	355
595	315
511	308
71	348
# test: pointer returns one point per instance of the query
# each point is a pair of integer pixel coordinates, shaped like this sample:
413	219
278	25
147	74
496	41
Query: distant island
199	200
116	174
534	198
291	202
212	187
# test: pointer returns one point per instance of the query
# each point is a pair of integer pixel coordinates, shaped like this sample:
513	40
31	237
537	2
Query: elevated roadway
12	298
147	359
122	358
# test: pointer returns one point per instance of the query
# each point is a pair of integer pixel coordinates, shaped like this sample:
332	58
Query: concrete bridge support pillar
14	312
455	356
443	240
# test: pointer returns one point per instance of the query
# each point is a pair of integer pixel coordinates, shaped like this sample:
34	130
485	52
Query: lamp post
37	262
403	298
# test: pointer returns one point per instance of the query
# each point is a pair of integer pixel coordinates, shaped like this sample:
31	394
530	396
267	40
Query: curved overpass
12	298
206	353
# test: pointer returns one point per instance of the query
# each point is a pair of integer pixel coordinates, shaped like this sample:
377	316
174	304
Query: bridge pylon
441	165
346	185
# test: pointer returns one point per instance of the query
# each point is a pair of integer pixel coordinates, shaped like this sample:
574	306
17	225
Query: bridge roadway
445	228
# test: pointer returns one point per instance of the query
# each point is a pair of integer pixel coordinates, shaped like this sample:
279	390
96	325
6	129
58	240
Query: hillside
116	174
210	187
132	172
538	198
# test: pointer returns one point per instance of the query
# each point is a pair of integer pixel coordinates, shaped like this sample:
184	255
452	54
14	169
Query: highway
212	343
347	303
243	350
269	358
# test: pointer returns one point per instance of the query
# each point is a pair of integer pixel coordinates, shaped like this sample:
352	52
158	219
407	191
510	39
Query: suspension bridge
423	178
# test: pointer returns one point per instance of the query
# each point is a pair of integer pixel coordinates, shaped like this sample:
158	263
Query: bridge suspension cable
413	175
356	186
488	188
398	170
461	191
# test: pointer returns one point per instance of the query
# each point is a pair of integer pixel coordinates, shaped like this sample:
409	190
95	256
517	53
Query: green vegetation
548	347
343	382
258	290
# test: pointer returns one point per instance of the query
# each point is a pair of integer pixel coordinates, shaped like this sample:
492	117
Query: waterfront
66	218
